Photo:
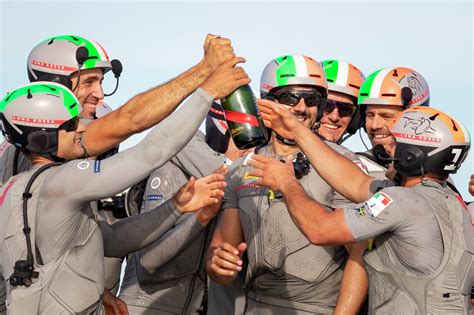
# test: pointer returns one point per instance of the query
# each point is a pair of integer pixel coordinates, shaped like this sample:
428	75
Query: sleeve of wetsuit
170	245
197	158
134	233
385	211
82	181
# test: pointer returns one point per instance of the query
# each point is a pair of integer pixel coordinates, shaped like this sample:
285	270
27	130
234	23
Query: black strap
24	270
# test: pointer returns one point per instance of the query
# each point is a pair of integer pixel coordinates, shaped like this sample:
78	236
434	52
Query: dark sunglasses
292	97
345	109
70	125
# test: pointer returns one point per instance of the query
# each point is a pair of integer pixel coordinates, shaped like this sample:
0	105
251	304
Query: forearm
320	226
339	172
134	233
354	285
170	245
143	111
164	141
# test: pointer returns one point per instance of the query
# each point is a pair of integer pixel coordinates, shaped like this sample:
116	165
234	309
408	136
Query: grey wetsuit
286	273
424	244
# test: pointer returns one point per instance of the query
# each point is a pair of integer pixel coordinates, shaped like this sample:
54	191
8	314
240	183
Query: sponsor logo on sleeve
83	165
96	166
154	198
155	183
375	205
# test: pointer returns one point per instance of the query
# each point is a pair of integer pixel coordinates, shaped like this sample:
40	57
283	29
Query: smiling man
341	114
385	94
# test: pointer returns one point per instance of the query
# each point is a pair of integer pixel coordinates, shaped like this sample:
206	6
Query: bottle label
237	131
241	118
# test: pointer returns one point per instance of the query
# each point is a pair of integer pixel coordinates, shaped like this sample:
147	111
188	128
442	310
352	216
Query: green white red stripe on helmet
372	85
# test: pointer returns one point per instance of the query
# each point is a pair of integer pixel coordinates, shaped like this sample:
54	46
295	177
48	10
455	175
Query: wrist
204	67
289	186
203	217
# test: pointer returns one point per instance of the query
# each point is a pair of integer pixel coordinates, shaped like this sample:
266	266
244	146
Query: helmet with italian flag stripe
32	114
343	77
292	70
397	86
429	140
56	58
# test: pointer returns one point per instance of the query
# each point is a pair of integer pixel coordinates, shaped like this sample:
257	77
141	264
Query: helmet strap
288	142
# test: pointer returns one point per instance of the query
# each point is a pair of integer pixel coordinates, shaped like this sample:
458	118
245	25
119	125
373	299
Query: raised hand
206	214
278	118
226	259
217	50
197	194
271	173
226	78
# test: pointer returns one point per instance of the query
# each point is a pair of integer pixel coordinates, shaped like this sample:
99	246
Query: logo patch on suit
378	203
96	166
154	197
155	183
83	165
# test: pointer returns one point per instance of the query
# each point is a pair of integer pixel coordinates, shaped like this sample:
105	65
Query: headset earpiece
82	54
406	96
42	141
409	160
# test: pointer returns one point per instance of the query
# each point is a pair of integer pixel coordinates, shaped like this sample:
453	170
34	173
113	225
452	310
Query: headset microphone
117	70
381	155
82	54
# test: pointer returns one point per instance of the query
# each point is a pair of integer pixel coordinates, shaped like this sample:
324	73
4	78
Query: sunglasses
292	97
70	125
345	109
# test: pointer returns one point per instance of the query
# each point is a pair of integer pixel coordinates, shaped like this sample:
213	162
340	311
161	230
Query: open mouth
78	140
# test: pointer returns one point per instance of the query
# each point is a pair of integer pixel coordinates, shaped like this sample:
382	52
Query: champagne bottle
243	118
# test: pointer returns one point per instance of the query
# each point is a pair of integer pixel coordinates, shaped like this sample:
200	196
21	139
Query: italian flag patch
378	203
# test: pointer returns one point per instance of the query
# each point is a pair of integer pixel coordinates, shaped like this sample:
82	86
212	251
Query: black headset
82	55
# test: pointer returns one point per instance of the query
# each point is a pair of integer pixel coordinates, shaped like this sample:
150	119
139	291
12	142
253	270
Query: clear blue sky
158	40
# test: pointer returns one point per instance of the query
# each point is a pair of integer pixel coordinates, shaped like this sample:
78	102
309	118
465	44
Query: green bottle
243	118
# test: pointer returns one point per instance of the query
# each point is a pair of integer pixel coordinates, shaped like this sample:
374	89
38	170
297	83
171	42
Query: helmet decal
293	70
397	86
343	77
429	140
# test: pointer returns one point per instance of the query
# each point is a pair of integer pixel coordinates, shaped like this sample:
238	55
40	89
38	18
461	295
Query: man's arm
224	255
354	285
149	108
94	180
123	237
338	171
318	225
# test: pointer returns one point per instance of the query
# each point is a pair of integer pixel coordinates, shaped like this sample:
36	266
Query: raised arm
338	171
149	108
94	180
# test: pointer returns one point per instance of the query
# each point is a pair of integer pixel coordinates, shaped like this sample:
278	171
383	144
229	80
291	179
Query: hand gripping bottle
243	118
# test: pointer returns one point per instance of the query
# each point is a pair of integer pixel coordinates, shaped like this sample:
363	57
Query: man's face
305	114
89	91
337	116
69	142
377	117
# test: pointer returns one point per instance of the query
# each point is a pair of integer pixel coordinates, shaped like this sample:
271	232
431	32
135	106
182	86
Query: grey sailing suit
168	277
286	273
69	245
424	243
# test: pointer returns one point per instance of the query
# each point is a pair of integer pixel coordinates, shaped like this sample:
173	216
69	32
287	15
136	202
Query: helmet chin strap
291	143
